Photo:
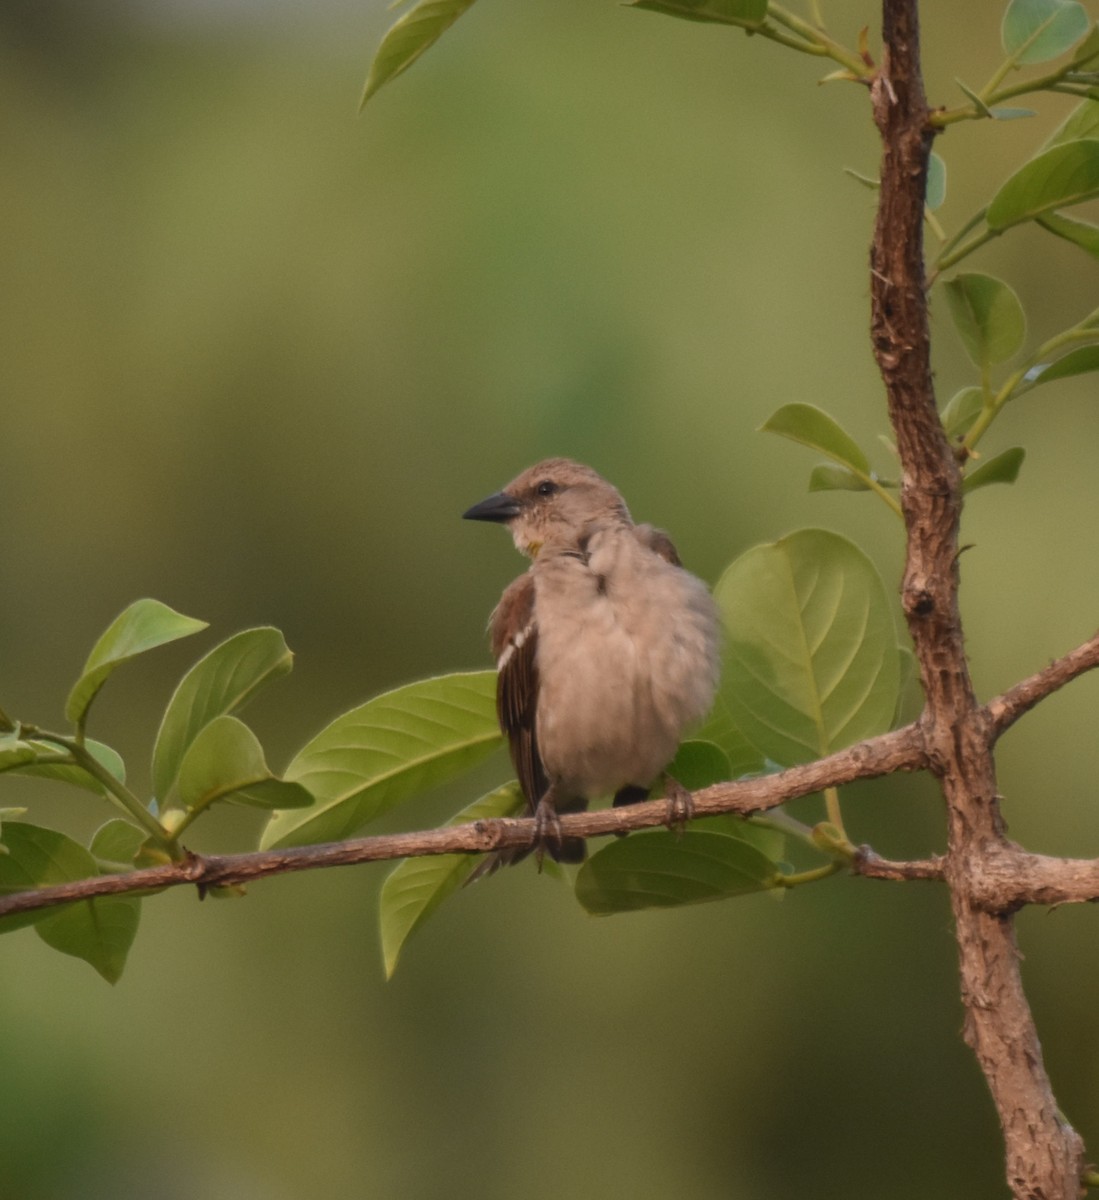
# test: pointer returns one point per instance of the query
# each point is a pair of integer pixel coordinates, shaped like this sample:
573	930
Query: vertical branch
1044	1154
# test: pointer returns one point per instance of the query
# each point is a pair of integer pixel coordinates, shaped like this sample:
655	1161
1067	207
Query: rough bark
1044	1154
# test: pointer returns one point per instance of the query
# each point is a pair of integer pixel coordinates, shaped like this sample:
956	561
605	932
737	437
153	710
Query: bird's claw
681	805
547	832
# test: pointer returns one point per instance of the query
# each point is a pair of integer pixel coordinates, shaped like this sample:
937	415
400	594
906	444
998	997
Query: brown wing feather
514	638
658	542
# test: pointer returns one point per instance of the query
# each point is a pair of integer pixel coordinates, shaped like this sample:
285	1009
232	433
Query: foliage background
259	355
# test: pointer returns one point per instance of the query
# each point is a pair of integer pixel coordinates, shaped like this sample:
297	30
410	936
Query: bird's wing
658	542
514	637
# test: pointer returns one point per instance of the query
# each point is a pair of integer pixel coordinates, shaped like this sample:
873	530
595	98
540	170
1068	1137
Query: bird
607	651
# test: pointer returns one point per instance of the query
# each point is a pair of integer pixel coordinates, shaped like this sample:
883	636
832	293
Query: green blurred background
258	356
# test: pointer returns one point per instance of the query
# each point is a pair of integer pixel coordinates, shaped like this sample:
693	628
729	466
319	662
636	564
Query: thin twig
1005	710
873	866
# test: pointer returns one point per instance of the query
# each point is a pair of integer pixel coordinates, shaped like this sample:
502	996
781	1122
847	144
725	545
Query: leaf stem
1015	384
1011	63
1000	74
827	838
813	40
835	815
955	238
1051	81
868	479
933	224
784	39
812	875
116	790
948	260
877	488
781	820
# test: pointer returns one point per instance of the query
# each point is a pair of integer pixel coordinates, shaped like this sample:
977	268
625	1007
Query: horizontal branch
1011	877
1005	710
1021	878
873	866
901	750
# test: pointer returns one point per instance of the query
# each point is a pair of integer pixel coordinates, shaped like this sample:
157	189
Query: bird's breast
627	656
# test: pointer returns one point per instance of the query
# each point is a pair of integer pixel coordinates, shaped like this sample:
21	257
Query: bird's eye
547	488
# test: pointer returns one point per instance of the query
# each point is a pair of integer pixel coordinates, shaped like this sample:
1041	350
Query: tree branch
1005	710
872	866
901	750
1010	877
1044	1155
1014	877
1018	878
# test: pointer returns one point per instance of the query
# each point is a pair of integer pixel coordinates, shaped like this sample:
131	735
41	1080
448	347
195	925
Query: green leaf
47	762
1088	48
720	728
768	839
825	478
1082	233
1077	362
988	317
1000	113
38	857
811	661
1082	122
809	425
15	753
143	626
416	887
99	931
748	14
1065	174
392	747
1004	468
698	764
222	682
660	869
418	30
867	181
115	844
225	762
1034	31
936	182
962	409
8	814
974	98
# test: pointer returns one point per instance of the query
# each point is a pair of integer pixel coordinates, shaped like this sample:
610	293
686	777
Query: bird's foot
547	831
681	805
548	835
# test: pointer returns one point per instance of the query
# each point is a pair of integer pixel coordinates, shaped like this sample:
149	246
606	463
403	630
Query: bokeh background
258	356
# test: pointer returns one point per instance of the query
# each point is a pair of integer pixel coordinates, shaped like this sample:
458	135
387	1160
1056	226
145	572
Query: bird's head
557	503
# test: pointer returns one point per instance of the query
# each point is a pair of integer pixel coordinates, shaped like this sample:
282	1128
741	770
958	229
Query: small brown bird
606	649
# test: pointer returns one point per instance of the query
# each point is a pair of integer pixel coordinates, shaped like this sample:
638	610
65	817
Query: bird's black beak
500	507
